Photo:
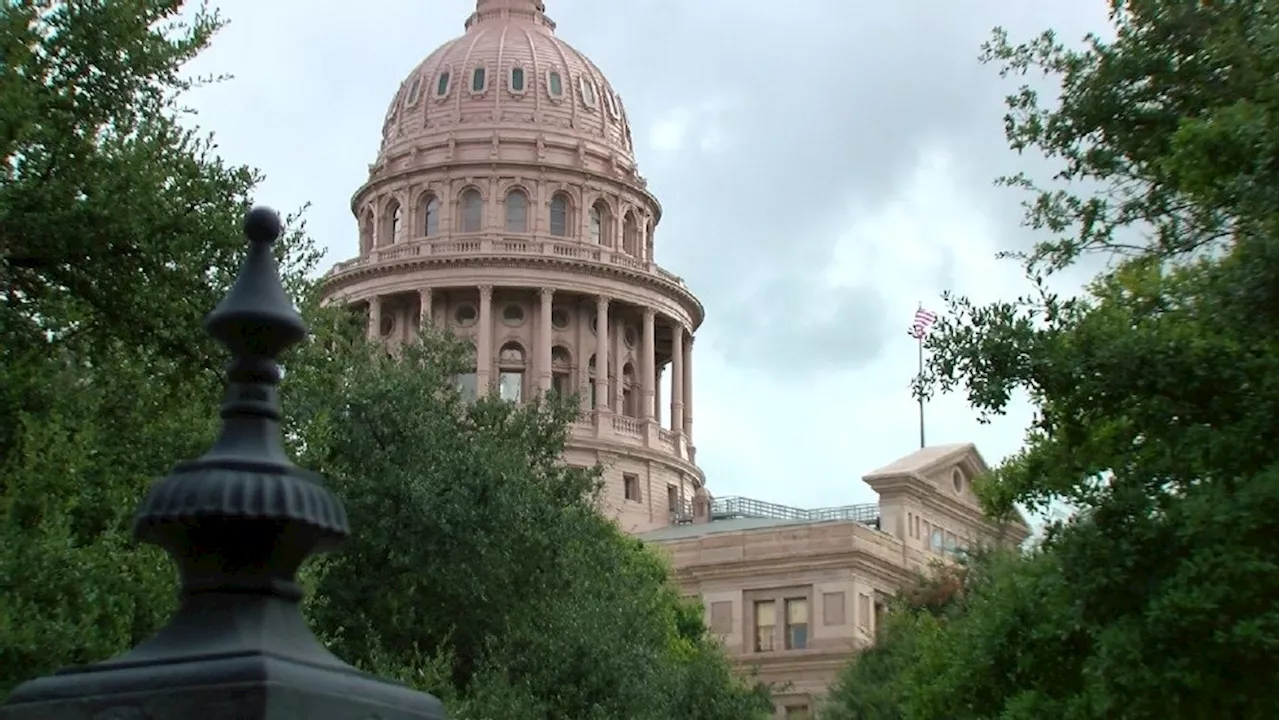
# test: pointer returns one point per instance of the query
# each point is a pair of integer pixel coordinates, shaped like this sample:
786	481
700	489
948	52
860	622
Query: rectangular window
510	386
766	621
796	712
864	611
797	624
833	608
631	487
673	498
467	386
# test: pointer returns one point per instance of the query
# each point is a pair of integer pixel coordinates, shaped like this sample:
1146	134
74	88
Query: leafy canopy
1155	392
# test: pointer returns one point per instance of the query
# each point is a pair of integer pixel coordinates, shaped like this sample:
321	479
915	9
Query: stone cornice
831	658
338	279
856	560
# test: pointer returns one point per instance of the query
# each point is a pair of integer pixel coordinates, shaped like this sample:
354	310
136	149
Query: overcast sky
823	165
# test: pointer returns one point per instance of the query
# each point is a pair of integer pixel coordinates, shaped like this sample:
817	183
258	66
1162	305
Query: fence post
238	522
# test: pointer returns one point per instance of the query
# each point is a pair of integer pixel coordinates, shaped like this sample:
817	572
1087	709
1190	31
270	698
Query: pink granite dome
509	70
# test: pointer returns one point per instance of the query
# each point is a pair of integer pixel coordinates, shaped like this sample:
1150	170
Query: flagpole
920	352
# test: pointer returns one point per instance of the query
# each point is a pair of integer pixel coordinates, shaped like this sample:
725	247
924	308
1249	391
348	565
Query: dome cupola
509	74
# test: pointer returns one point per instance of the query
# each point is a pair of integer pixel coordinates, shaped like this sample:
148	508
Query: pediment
944	472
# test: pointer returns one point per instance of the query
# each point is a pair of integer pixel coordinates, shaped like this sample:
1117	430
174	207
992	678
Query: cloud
823	165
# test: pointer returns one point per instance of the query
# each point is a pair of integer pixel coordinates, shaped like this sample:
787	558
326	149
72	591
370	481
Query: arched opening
466	380
431	216
517	205
472	206
630	395
560	215
511	367
630	234
392	224
599	222
561	371
366	233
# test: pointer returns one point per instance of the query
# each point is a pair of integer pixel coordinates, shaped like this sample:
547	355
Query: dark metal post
238	521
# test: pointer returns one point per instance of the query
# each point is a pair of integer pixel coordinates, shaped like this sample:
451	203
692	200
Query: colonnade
681	400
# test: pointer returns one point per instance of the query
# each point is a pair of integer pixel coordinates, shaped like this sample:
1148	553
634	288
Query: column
583	381
375	317
424	308
619	361
484	341
602	353
677	378
647	372
688	389
544	340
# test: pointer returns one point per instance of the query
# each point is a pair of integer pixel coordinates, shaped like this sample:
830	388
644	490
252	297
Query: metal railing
734	507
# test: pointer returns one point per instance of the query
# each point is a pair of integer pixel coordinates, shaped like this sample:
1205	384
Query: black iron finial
238	522
244	499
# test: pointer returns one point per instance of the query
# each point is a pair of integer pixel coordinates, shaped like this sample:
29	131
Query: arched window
366	232
561	371
392	224
517	212
431	216
600	224
511	372
630	399
560	215
472	210
517	79
466	380
442	84
630	234
478	80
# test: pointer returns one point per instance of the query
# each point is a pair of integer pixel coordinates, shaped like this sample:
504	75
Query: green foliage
120	231
481	569
1155	393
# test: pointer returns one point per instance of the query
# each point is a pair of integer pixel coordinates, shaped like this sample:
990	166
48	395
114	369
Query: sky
824	167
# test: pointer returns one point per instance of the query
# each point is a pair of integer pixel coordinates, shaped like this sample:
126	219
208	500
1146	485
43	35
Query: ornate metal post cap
238	521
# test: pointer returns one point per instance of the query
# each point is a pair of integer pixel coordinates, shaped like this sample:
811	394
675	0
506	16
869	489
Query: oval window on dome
478	80
555	86
588	89
442	84
517	79
414	90
612	102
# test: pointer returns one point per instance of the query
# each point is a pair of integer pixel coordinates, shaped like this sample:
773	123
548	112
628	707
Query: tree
482	569
119	230
1155	389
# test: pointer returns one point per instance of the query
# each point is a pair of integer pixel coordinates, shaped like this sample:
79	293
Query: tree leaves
1155	394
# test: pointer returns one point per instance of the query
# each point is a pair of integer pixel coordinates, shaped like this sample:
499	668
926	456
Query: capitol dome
505	206
509	70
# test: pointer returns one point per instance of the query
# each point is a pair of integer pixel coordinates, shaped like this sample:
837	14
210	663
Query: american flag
920	323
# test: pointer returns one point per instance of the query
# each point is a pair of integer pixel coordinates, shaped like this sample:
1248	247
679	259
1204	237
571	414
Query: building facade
506	205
